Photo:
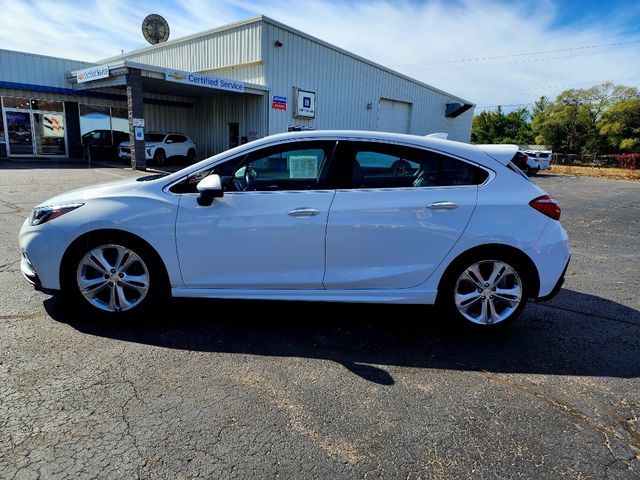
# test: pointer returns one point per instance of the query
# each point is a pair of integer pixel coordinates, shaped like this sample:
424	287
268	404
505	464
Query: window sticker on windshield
303	166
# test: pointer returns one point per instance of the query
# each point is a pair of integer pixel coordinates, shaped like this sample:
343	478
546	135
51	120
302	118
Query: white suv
159	146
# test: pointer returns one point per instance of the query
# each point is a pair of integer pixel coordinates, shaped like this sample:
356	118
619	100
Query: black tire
191	156
484	295
157	286
160	157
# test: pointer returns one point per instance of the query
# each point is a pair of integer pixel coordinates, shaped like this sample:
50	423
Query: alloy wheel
488	292
113	278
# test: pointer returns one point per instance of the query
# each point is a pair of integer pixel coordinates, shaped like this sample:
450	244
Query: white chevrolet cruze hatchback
341	216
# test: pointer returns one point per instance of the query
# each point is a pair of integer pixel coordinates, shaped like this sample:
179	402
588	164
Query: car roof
501	153
484	154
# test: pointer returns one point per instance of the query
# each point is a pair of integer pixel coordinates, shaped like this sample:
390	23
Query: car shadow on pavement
575	334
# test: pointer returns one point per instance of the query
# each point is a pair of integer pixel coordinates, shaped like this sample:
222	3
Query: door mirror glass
209	188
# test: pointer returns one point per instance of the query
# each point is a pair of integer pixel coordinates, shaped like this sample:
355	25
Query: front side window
177	138
380	165
154	137
290	166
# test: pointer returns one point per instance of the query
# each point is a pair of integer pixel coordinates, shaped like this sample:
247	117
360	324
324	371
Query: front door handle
304	212
442	206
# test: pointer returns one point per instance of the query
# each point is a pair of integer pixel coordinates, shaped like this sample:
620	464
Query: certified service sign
207	81
93	73
305	103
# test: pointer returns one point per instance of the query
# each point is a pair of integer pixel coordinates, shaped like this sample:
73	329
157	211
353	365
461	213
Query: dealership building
221	87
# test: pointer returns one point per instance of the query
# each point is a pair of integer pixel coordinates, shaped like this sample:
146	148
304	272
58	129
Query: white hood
94	191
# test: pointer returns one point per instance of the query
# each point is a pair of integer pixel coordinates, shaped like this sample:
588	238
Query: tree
579	120
620	125
496	127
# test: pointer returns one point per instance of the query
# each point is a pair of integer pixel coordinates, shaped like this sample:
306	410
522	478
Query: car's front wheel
485	292
160	157
113	276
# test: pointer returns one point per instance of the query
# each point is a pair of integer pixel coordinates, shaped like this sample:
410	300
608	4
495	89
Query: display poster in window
305	104
53	125
303	166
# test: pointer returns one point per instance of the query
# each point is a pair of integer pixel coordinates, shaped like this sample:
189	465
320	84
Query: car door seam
326	233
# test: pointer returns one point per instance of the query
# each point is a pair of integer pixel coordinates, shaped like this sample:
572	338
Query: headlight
42	215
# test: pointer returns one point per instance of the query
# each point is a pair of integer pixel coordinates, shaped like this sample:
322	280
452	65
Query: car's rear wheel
160	157
113	276
485	292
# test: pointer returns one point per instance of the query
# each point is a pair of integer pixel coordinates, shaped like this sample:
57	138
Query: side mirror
209	187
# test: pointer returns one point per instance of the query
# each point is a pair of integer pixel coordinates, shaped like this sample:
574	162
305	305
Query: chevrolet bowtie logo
177	76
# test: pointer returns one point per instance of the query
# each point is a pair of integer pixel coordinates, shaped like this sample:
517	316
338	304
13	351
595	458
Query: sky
489	52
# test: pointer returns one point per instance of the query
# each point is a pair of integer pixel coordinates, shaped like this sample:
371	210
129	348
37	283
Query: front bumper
127	155
42	248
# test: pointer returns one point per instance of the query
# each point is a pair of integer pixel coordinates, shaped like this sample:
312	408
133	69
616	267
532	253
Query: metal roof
263	18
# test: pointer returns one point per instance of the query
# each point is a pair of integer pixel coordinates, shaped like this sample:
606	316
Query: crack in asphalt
634	437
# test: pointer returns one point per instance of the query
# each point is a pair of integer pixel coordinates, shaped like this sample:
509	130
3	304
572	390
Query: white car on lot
543	157
158	147
339	216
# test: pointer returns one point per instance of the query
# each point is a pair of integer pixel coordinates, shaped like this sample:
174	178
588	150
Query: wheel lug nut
493	289
121	275
491	296
486	284
111	284
113	270
119	284
479	290
106	276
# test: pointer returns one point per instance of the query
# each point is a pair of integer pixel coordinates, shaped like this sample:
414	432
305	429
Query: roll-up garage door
394	116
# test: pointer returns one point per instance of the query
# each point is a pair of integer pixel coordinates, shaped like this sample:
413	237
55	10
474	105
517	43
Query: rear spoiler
502	153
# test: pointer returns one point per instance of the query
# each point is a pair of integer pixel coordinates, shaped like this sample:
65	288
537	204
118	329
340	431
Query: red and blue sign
279	103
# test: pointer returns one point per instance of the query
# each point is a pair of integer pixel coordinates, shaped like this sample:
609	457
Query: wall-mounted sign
279	103
305	103
138	122
139	133
199	80
93	73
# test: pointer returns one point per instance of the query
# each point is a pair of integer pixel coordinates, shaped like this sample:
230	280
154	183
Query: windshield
154	137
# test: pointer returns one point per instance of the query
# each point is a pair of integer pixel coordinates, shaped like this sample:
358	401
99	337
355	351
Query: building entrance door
19	132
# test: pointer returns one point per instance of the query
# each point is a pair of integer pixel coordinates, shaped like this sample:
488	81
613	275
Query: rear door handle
304	212
442	206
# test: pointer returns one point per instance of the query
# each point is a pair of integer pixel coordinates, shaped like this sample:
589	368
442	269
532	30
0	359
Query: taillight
548	205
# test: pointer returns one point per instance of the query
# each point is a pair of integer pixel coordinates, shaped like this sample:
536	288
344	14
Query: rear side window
177	138
379	165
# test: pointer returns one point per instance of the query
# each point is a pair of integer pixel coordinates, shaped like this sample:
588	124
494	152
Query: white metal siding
218	50
213	115
20	67
345	86
393	116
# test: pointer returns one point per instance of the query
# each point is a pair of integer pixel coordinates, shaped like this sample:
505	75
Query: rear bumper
556	287
550	254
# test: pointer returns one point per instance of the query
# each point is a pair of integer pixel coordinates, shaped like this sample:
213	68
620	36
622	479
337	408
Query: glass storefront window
15	102
49	133
119	120
46	105
94	118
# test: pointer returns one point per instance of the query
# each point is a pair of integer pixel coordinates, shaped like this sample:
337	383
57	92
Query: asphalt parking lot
217	389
